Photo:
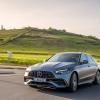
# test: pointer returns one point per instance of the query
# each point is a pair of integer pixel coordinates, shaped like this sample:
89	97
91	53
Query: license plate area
39	79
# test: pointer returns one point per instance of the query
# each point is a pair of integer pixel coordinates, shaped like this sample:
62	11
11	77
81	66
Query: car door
92	67
84	69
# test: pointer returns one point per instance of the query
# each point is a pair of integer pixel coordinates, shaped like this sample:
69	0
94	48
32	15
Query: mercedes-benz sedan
63	70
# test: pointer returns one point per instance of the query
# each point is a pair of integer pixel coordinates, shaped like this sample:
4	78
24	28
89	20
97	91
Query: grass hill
46	41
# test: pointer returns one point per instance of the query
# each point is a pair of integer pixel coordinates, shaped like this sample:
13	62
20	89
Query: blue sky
79	16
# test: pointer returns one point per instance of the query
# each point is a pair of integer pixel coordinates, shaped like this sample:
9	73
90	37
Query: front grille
41	74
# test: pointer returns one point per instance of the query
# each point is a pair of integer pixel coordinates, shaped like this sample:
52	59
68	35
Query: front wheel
97	78
73	83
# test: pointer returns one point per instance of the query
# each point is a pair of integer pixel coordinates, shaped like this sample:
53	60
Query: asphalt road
12	88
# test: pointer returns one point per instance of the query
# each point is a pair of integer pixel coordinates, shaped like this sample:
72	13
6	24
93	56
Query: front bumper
52	83
60	81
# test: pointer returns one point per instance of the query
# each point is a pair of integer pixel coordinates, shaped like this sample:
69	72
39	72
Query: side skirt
86	80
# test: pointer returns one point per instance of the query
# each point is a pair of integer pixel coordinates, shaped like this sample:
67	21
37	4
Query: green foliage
30	40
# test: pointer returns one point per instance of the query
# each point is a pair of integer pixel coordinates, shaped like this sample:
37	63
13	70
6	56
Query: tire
97	78
73	83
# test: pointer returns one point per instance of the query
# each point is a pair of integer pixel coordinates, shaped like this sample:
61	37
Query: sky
77	16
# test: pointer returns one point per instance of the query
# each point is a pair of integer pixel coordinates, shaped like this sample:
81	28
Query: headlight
28	69
62	71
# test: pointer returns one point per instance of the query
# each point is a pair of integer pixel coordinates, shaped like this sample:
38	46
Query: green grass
43	42
23	59
26	59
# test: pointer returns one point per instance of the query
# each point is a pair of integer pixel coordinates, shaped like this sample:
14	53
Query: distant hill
34	40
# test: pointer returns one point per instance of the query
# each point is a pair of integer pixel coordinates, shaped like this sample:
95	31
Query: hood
51	66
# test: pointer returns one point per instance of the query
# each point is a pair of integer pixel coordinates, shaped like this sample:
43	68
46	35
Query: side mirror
84	62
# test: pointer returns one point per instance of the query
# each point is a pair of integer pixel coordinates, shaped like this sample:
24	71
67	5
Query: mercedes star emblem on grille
39	74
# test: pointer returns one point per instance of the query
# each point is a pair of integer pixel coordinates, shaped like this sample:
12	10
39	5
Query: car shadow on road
85	92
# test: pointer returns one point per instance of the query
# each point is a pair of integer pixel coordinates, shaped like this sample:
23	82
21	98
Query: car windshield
64	58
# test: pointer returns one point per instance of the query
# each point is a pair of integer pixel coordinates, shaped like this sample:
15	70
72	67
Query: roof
71	53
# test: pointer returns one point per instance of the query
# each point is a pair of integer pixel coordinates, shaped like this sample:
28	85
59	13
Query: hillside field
31	45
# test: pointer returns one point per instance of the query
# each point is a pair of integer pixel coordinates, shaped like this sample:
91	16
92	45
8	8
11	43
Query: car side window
83	58
91	60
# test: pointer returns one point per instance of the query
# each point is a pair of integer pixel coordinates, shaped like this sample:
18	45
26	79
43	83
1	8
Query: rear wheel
73	83
97	78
